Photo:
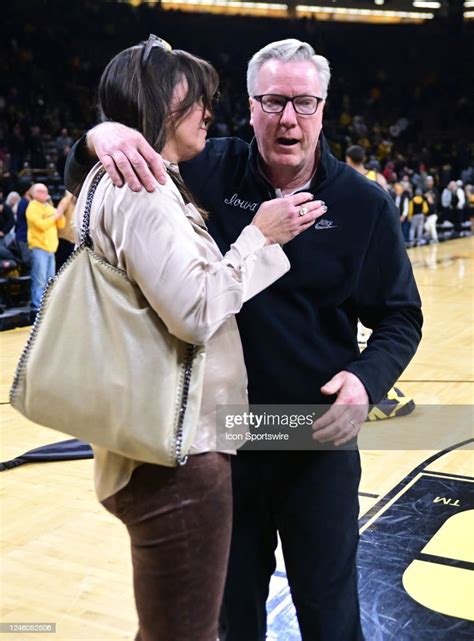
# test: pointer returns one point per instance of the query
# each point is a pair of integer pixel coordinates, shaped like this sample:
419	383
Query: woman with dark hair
179	519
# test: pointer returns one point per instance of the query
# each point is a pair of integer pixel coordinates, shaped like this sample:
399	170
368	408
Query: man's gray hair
289	50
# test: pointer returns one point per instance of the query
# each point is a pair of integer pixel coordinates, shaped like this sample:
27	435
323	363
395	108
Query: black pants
311	499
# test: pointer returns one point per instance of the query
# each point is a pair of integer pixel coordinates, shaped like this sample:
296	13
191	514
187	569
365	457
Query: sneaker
394	404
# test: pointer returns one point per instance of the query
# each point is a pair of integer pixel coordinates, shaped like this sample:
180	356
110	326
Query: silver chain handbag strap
85	231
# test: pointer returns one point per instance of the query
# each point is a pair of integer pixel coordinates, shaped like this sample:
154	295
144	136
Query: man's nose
288	115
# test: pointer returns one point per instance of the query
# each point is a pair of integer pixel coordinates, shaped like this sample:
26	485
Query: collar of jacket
325	172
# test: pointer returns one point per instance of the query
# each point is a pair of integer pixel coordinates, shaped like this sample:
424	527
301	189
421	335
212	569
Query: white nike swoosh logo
325	224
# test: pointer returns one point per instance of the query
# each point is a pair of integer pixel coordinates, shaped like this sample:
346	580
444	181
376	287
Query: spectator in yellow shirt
43	224
418	208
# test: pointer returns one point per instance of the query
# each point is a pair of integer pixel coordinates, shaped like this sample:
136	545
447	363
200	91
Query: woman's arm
179	268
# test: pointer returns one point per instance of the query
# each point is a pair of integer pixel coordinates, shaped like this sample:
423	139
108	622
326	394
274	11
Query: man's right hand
126	156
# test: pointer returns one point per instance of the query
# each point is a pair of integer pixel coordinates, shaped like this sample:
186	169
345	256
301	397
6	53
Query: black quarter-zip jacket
350	264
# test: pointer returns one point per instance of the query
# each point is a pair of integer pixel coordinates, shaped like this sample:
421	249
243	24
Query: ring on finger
303	211
353	423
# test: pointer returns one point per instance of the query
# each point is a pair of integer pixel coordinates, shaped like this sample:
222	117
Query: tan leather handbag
101	365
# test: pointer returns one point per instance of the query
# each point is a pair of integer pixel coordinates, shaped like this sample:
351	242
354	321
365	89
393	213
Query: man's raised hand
126	156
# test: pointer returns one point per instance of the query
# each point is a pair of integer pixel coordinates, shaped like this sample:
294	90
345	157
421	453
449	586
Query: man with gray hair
453	201
299	336
43	224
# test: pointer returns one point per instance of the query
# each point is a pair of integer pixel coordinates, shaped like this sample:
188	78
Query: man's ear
252	107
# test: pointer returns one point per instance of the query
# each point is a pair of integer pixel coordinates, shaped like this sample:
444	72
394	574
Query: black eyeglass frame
153	41
288	99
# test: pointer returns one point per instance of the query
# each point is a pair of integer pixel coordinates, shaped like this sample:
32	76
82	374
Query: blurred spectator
359	127
36	148
446	174
469	191
17	148
467	175
12	201
66	235
6	178
389	172
62	141
21	228
61	162
453	201
26	172
432	198
7	224
384	149
406	184
43	224
418	208
402	201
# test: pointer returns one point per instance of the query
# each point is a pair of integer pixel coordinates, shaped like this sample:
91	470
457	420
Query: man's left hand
342	422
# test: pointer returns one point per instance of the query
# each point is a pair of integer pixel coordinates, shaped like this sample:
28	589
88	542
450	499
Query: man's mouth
287	142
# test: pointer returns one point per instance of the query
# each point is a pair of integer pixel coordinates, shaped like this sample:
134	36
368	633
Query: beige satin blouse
164	246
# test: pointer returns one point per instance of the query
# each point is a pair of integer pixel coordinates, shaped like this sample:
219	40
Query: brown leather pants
179	521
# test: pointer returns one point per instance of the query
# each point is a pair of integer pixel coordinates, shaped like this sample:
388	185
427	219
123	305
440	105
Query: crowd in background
392	93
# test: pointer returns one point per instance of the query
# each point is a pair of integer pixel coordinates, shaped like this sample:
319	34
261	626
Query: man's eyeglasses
154	41
273	103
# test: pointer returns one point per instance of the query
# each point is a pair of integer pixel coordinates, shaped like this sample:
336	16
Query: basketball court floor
65	560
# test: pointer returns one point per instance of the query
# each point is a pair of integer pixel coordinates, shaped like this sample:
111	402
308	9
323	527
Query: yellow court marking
454	540
441	588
